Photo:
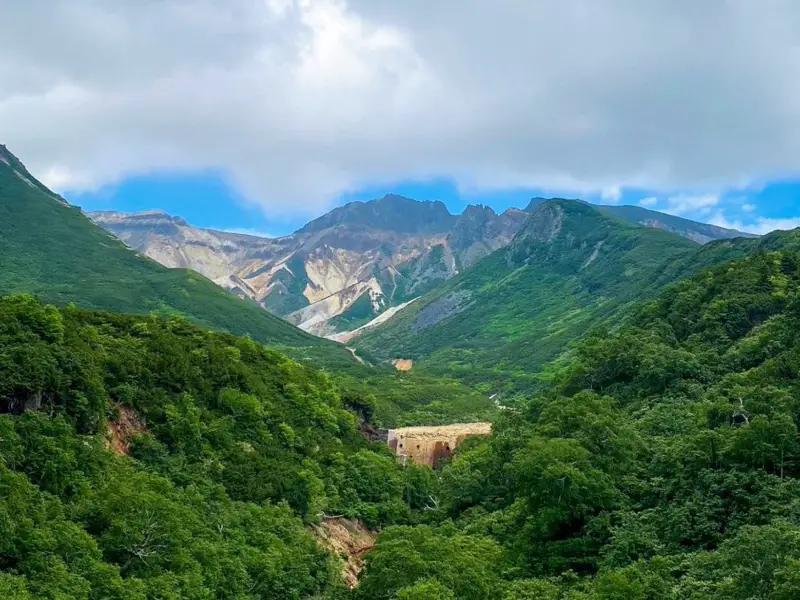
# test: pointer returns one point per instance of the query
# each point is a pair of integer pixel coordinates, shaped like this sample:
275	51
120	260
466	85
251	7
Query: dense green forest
662	462
144	457
236	448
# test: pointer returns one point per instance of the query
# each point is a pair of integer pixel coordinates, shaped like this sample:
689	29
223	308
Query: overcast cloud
300	100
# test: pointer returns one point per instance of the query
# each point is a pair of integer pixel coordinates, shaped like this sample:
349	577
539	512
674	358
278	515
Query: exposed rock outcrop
348	539
122	430
403	364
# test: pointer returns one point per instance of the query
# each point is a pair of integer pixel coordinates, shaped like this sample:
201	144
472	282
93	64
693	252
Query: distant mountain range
340	270
343	269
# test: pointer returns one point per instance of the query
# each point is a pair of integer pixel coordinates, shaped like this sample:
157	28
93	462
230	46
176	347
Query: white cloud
649	201
611	194
684	204
301	100
247	231
749	207
760	226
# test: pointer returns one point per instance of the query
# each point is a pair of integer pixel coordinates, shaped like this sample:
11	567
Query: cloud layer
301	100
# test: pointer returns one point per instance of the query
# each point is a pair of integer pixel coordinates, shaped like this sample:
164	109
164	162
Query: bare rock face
348	539
338	272
122	430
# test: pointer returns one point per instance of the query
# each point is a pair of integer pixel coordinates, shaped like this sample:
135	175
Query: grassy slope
55	252
524	305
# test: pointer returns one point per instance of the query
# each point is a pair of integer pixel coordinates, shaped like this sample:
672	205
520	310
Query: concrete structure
429	445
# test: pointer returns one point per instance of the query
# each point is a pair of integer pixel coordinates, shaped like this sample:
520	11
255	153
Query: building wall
429	445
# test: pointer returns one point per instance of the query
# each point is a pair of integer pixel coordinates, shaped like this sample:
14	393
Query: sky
258	115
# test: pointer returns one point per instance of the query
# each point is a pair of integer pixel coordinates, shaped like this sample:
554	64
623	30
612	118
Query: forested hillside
51	250
662	462
570	268
224	452
143	457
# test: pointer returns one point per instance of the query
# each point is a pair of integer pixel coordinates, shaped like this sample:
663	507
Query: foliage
662	461
404	399
238	448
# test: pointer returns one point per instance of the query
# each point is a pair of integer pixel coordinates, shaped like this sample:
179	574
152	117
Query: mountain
343	269
702	233
392	213
145	457
340	270
50	249
572	266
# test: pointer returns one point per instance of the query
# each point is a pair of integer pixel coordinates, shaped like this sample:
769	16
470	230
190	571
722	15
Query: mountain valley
571	268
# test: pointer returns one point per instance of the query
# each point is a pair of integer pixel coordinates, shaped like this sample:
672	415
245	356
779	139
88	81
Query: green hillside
569	269
51	250
638	215
662	462
225	453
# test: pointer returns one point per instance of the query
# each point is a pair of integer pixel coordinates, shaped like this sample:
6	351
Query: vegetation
66	258
403	399
661	462
236	448
359	313
499	322
143	457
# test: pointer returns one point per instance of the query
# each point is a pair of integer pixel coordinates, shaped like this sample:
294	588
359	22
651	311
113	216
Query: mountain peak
572	233
11	163
479	211
538	200
392	212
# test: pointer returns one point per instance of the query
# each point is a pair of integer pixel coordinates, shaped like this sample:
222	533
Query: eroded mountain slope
340	270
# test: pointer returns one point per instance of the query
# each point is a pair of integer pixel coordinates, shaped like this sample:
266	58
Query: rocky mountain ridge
340	270
348	266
